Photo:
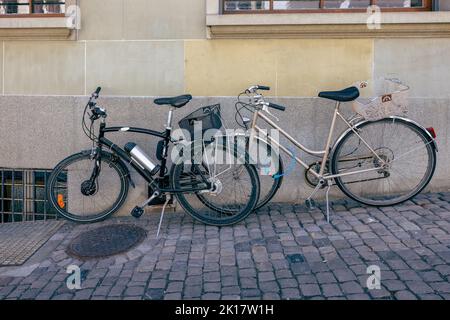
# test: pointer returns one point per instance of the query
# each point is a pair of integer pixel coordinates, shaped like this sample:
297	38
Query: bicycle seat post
170	119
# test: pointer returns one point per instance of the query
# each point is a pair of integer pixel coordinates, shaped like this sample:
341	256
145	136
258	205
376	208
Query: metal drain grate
19	241
106	241
296	258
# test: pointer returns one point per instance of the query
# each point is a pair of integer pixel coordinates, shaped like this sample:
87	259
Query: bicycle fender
423	129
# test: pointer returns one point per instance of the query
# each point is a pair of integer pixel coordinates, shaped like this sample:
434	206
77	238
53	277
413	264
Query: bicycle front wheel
233	187
79	197
392	161
270	170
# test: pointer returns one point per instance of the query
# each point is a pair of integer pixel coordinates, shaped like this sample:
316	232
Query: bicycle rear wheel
404	147
72	194
233	193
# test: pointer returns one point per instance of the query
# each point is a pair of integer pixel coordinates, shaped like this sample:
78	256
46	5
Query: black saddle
176	102
345	95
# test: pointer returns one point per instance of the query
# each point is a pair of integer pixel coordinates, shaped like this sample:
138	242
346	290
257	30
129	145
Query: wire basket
382	98
205	118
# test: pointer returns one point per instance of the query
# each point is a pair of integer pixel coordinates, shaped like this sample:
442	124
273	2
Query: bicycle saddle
348	94
176	102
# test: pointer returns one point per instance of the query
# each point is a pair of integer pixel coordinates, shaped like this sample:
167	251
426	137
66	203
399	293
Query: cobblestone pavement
280	252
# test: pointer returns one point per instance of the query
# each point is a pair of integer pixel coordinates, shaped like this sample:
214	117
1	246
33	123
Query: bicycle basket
205	118
387	97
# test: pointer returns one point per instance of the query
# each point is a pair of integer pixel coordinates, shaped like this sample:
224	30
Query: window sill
42	28
328	25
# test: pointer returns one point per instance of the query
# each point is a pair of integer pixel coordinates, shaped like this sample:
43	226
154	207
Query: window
281	6
31	7
23	196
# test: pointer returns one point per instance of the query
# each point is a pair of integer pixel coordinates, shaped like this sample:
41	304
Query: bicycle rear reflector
432	132
61	203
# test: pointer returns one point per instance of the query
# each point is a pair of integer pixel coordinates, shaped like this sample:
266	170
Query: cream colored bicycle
382	159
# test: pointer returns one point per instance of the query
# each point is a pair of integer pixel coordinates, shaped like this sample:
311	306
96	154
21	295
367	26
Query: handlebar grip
97	92
277	106
266	88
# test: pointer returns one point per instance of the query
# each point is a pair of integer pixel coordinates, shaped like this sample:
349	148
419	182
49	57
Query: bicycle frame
255	129
164	135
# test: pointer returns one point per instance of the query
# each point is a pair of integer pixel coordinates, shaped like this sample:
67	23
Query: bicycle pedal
310	204
137	212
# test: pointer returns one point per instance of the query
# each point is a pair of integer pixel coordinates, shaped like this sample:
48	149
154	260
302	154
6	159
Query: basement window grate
23	195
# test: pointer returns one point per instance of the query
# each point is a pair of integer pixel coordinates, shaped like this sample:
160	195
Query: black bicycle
212	182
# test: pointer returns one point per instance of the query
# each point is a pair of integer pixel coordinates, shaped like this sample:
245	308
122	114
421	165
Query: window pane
8	175
346	4
14	7
296	4
39	193
7	206
10	184
40	177
12	206
246	5
400	3
18	206
48	6
39	6
39	207
18	192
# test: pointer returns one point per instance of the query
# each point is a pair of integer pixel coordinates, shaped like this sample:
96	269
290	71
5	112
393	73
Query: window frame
34	15
427	7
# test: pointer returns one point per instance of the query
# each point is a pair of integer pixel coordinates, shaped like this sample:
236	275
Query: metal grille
23	195
32	7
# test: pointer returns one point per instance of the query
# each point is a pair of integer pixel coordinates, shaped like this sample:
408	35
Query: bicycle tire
267	193
428	174
107	158
233	217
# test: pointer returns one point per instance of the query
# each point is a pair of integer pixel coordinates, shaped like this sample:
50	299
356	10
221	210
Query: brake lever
93	99
266	109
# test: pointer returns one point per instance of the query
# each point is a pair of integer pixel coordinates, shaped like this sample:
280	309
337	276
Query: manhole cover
106	241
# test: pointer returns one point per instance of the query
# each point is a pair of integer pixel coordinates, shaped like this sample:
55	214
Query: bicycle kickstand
309	202
328	200
162	216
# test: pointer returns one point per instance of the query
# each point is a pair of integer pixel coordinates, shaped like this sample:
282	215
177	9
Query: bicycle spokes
398	165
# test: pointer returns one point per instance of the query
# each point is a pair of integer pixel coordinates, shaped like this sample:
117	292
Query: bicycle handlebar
276	106
94	96
253	89
258	98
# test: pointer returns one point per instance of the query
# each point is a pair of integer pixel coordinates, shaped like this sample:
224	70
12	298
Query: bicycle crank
138	211
310	178
310	204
